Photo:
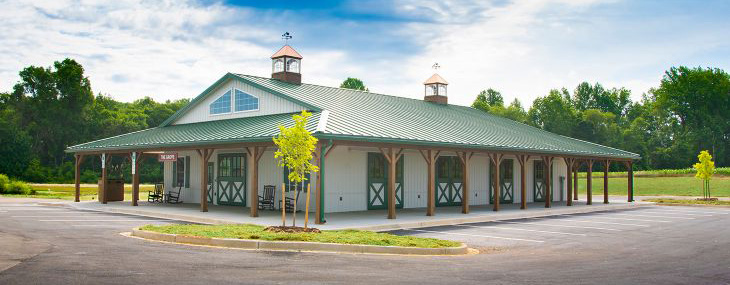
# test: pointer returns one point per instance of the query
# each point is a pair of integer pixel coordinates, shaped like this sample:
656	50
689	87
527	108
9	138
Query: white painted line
60	216
629	219
651	216
484	236
96	226
589	221
107	220
554	225
690	211
676	214
516	229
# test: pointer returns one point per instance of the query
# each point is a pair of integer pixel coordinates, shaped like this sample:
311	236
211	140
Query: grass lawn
66	192
247	231
657	186
676	201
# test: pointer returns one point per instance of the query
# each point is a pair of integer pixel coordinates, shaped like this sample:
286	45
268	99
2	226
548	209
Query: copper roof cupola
436	89
286	65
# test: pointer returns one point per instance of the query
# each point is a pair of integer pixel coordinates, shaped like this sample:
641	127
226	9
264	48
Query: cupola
286	65
435	89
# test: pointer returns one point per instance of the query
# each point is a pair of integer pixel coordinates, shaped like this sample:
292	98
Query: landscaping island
688	202
247	236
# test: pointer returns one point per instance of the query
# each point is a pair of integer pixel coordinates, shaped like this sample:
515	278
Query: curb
298	246
693	205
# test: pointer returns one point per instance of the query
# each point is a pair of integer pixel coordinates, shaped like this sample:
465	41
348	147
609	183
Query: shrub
4	180
17	187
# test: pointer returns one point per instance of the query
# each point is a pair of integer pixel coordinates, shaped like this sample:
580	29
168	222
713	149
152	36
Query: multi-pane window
221	105
245	101
230	165
278	65
292	65
302	186
180	172
507	170
539	170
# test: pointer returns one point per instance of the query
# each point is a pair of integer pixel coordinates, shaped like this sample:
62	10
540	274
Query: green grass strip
256	232
689	202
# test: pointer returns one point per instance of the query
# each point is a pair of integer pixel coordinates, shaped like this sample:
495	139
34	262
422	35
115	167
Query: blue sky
175	49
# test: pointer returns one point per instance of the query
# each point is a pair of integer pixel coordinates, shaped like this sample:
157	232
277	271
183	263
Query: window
431	89
230	165
221	105
292	65
507	170
290	186
441	89
179	172
278	65
245	101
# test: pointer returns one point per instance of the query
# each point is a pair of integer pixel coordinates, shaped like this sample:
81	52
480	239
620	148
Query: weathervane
436	66
286	37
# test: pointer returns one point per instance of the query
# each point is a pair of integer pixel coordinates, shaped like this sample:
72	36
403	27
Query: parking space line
60	216
516	229
484	236
691	211
597	222
650	216
95	226
674	213
554	225
106	220
630	219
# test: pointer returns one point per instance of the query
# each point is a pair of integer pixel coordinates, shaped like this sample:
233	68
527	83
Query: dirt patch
285	229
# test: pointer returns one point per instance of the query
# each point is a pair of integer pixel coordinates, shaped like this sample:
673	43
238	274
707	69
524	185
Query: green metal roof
366	116
251	129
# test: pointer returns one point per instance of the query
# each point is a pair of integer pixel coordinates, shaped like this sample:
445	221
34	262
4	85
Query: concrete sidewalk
366	220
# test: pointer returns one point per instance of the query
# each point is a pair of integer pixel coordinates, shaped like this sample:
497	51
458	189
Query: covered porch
365	220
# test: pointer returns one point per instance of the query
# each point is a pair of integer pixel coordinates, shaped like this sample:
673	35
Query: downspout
322	155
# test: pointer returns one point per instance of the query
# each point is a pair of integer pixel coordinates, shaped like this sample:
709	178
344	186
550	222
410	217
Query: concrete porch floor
367	220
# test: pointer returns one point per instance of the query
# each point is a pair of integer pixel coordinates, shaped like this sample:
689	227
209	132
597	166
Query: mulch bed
706	199
287	229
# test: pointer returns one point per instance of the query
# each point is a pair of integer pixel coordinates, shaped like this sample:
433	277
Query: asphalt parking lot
562	229
649	245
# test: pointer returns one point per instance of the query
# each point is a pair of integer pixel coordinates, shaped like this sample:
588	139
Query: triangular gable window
222	104
245	101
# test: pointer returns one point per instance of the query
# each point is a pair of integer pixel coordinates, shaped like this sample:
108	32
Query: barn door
506	179
232	179
449	181
378	182
539	181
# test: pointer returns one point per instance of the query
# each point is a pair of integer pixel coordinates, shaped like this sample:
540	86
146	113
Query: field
659	186
88	191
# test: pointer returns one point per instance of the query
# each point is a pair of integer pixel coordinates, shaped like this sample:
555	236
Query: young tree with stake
296	145
705	169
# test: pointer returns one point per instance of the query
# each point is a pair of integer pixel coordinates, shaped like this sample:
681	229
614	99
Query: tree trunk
283	204
294	214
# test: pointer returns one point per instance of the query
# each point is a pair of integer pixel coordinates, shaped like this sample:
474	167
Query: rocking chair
174	198
156	196
267	201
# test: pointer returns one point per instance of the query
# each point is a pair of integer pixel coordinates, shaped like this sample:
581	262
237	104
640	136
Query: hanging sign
167	157
103	160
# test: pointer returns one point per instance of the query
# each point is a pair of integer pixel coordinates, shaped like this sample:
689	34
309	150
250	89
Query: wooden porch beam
569	163
464	157
630	190
589	182
137	161
255	152
204	155
522	159
548	160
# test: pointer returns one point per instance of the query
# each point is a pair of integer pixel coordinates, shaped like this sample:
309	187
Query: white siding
268	104
345	180
415	180
479	180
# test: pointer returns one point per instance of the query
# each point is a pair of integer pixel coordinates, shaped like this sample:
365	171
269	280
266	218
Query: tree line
51	108
686	113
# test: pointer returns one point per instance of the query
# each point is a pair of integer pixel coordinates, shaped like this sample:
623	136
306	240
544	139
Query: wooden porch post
77	194
606	164
465	157
589	182
392	158
204	155
104	161
522	159
575	179
569	163
255	152
136	158
630	166
496	160
430	156
548	180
